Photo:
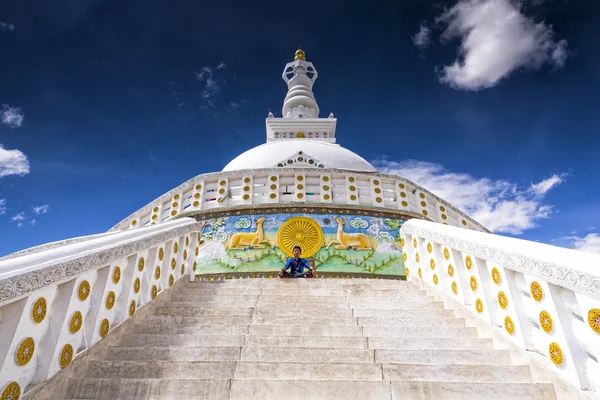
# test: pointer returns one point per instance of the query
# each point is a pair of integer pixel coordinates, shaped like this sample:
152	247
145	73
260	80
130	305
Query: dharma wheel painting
337	244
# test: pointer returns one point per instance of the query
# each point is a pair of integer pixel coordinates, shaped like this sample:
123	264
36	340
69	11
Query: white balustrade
59	300
543	298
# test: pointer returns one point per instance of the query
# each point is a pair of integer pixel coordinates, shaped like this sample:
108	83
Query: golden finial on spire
300	55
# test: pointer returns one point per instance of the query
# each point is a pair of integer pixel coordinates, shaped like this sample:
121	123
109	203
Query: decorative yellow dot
325	179
84	290
423	204
198	187
351	179
406	271
379	199
246	196
197	203
25	351
185	254
454	288
435	279
38	310
429	247
444	217
104	327
175	204
174	213
300	195
154	292
555	353
182	269
154	216
450	270
442	208
272	195
546	321
473	283
326	187
246	188
421	195
12	391
176	197
273	178
425	212
197	251
404	257
161	254
402	194
110	300
141	263
352	188
171	280
509	325
377	190
221	190
187	240
594	319
300	186
247	179
136	285
536	291
479	305
464	222
273	186
469	262
75	322
432	263
155	209
173	263
402	242
326	196
404	204
132	308
157	272
496	275
401	185
420	273
415	243
375	182
352	197
116	277
446	253
196	195
502	300
66	356
417	257
222	182
176	247
134	222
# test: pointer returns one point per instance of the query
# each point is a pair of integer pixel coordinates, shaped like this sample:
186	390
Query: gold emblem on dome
479	306
110	300
161	253
141	264
502	300
76	321
432	263
446	253
546	321
509	325
555	353
171	280
116	275
473	283
104	327
132	308
136	285
300	55
429	248
66	355
12	391
435	279
450	270
454	288
154	292
303	232
536	291
594	319
496	275
38	310
84	290
420	273
25	351
469	262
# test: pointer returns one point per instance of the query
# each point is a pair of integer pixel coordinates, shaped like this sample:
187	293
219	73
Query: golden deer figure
358	241
243	240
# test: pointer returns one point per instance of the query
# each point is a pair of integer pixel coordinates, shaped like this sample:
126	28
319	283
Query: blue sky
105	105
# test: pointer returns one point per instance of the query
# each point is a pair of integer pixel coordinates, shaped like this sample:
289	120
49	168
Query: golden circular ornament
134	222
423	204
222	182
75	322
326	196
442	208
435	279
446	253
378	199
421	195
197	203
300	186
154	292
376	182
404	257
104	327
176	197
429	248
300	178
197	250
273	178
502	300
546	321
352	188
432	263
325	179
173	213
182	269
496	275
24	351
415	243
197	195
136	285
352	197
406	271
132	308
469	262
12	391
171	280
300	195
84	290
450	270
402	242
141	264
351	179
420	273
38	310
555	353
594	319
454	288
479	306
464	222
198	187
157	272
155	209
444	217
187	240
404	204
536	291
473	283
185	254
110	300
246	188
154	217
246	196
66	356
377	190
273	187
401	185
417	258
161	254
272	195
326	187
176	247
402	194
173	263
175	204
425	212
300	231
246	180
116	276
509	325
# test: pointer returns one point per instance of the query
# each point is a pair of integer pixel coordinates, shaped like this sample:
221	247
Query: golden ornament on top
546	321
594	319
12	391
38	310
104	327
75	322
84	290
536	291
25	351
469	262
479	306
496	275
300	55
300	231
446	253
555	353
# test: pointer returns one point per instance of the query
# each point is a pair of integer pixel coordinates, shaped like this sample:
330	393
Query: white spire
300	76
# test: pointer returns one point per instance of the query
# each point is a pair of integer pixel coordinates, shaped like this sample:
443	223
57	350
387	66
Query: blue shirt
296	265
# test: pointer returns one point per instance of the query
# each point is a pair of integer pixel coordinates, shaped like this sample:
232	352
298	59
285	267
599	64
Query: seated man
296	266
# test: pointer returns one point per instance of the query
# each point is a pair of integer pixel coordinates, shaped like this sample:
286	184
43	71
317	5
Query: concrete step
421	343
206	320
286	299
181	340
314	305
306	341
299	330
223	300
369	304
201	311
439	322
463	357
221	291
456	373
161	369
383	293
192	329
306	355
146	353
293	311
303	320
456	333
413	313
307	371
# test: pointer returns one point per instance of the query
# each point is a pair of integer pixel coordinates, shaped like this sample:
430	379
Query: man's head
296	251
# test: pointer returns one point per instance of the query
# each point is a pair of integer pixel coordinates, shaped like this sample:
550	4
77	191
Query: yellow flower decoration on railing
76	321
66	355
469	262
454	288
161	254
496	275
187	240
197	250
157	272
154	292
446	253
176	247
171	280
110	300
173	263
406	271
429	248
141	263
25	351
404	257
555	353
104	327
432	263
502	300
38	310
509	325
415	243
594	319
185	254
417	257
546	321
136	285
450	270
402	243
473	283
479	305
84	290
12	391
182	269
420	273
116	275
132	308
435	279
536	291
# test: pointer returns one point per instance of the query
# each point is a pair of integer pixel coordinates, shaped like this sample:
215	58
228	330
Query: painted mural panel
262	243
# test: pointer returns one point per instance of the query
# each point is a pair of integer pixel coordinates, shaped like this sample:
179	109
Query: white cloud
589	243
19	217
43	209
499	205
221	65
422	39
11	116
2	206
496	39
6	27
13	162
541	188
211	85
33	221
20	225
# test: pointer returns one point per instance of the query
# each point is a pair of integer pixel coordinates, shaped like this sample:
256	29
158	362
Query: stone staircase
302	339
